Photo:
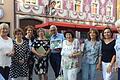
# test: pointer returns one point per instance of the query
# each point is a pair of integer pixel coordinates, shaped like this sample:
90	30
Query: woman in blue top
91	52
117	48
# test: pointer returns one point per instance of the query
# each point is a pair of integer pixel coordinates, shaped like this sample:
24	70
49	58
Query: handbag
60	77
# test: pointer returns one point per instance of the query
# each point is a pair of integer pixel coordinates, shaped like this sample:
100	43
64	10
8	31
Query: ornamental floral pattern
90	10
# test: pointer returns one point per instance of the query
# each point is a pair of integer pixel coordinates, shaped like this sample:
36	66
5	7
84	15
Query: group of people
25	52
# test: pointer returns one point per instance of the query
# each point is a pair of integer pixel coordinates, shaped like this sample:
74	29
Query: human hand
21	61
10	54
116	67
98	67
109	68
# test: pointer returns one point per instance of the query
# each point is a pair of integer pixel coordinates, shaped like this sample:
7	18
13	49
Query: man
56	46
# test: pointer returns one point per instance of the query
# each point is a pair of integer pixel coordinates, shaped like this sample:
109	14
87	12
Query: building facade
118	9
7	13
20	13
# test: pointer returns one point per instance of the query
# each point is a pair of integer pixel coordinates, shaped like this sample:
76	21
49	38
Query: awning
71	25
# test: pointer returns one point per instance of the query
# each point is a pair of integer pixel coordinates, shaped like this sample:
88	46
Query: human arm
109	69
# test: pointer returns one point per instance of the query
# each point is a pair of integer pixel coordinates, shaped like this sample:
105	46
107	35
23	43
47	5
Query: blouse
117	49
108	51
67	50
91	52
6	46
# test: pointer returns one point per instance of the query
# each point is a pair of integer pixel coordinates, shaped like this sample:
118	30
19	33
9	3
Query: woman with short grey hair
6	50
117	48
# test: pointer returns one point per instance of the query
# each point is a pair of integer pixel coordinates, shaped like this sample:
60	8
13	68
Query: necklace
17	42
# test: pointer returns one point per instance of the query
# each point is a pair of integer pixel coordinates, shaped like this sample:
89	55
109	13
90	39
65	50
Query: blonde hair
4	25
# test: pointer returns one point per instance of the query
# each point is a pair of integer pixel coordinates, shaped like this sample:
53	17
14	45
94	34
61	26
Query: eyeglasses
52	30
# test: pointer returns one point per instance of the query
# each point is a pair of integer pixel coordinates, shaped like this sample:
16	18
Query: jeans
88	71
5	72
55	61
118	73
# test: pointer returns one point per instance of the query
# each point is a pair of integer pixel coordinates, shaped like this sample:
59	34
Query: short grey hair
53	27
4	25
117	23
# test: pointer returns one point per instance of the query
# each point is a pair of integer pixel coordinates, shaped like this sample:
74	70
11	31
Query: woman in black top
29	37
108	54
41	48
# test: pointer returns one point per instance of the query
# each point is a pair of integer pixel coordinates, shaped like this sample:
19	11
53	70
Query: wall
8	8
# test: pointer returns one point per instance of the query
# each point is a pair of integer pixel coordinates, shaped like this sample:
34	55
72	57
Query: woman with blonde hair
6	50
117	48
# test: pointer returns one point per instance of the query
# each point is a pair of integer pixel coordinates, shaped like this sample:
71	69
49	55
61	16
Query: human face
53	31
18	35
107	34
118	29
4	31
93	35
69	36
29	31
41	34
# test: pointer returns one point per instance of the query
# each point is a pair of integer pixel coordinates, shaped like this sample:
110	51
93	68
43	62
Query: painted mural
87	10
118	9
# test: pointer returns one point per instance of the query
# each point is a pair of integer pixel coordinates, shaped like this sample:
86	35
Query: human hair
105	29
71	32
95	31
40	30
117	23
18	30
27	27
53	27
4	25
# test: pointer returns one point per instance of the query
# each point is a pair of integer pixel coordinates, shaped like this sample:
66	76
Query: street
51	75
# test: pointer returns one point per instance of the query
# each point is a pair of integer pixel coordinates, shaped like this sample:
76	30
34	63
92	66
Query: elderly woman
6	50
19	66
91	52
41	48
117	48
29	37
70	54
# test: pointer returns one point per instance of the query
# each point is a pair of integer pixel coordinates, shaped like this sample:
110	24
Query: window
32	2
1	1
78	5
58	4
109	8
95	7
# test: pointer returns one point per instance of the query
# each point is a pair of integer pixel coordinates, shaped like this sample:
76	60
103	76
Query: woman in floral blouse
91	52
70	54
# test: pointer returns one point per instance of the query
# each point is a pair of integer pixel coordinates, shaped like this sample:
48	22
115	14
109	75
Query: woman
107	57
70	54
19	67
6	50
41	48
117	48
29	37
91	52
